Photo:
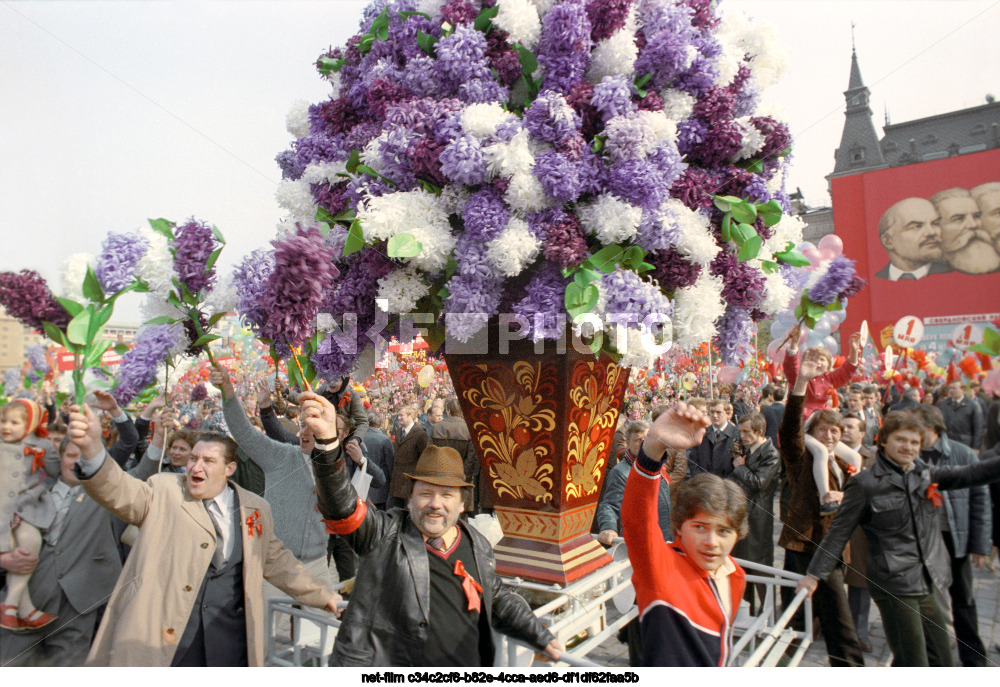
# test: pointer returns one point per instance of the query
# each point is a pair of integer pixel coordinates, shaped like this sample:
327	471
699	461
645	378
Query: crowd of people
155	537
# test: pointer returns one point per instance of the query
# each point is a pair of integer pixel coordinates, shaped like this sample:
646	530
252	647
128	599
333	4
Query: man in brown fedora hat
427	591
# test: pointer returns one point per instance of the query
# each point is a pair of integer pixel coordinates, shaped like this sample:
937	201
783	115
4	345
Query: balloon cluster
830	247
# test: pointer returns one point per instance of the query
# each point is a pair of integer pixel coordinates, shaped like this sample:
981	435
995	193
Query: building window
972	149
858	155
889	145
929	139
979	130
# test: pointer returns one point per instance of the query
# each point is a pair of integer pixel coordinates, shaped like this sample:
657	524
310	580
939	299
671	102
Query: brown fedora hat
440	465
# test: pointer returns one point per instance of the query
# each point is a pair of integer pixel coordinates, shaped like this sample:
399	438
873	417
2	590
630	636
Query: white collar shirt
223	507
895	273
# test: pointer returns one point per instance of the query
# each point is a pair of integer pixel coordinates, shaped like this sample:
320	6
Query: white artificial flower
788	230
726	64
677	105
776	184
324	172
154	306
609	218
507	159
401	290
663	127
752	139
543	6
514	249
431	8
296	197
156	267
777	294
638	134
324	322
759	41
453	197
222	298
696	308
371	155
297	119
615	56
74	270
482	119
417	213
519	19
525	193
694	235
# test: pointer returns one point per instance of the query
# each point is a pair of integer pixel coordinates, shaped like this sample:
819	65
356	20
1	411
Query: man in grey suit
380	452
76	573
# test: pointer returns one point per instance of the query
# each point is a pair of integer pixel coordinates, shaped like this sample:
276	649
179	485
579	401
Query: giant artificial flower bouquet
547	158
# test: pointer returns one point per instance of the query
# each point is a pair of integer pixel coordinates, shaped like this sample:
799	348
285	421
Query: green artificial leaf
212	258
792	257
750	249
79	326
598	144
800	311
769	266
329	64
814	310
643	80
434	336
121	349
100	319
644	267
162	319
218	235
406	14
606	258
580	300
786	152
56	334
92	287
353	161
365	169
347	215
483	20
723	204
70	306
355	238
426	42
324	229
744	212
162	226
382	33
403	245
428	186
746	232
206	339
214	319
752	165
770	212
443	293
174	300
633	256
529	63
324	215
566	271
984	349
596	343
585	276
366	44
726	227
95	354
991	338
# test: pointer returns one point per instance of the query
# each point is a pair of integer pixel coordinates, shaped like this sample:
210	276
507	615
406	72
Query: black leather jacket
897	515
386	621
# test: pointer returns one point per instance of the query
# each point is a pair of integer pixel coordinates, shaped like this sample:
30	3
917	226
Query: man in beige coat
190	593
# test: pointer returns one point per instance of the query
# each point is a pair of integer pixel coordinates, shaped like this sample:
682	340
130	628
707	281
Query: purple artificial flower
193	244
36	356
837	279
653	235
735	334
485	214
639	182
462	56
457	12
714	105
119	258
776	136
722	141
613	97
544	304
250	279
27	298
565	239
664	56
550	118
695	188
626	293
672	270
463	162
138	366
559	176
199	392
303	273
743	285
470	302
607	16
424	158
564	48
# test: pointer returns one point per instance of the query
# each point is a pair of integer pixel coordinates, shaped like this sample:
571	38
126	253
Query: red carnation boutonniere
37	458
934	495
253	522
851	470
344	400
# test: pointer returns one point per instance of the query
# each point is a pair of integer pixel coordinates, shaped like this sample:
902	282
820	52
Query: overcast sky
113	112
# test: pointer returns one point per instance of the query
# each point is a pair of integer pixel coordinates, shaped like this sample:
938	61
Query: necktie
65	500
436	543
906	275
219	558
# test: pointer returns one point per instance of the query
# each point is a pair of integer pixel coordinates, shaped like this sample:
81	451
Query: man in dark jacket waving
427	591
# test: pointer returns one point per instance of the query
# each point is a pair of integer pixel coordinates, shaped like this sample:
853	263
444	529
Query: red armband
350	523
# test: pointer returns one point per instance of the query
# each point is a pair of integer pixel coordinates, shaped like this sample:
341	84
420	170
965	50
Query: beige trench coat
154	596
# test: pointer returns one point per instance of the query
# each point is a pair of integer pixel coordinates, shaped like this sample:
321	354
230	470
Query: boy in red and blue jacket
688	591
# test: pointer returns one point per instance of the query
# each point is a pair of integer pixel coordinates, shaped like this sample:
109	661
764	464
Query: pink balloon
991	382
728	374
774	353
832	245
813	255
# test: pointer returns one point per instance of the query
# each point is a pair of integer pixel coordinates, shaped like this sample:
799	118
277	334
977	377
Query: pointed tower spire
859	143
